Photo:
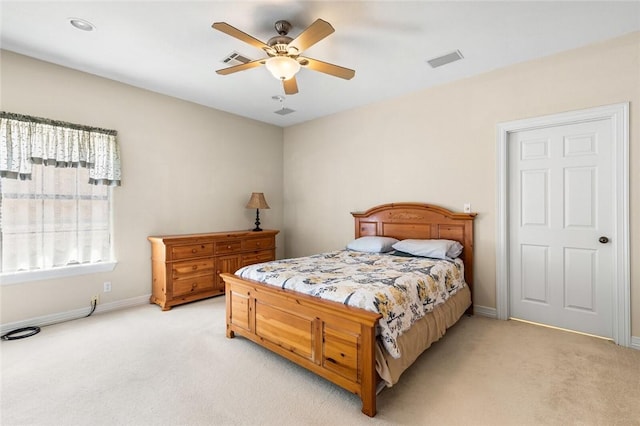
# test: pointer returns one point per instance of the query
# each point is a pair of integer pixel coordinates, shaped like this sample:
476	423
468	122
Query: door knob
603	240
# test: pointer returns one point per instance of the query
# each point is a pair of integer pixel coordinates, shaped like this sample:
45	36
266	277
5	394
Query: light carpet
142	366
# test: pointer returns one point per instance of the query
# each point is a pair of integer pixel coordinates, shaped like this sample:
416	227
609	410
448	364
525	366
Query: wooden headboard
421	221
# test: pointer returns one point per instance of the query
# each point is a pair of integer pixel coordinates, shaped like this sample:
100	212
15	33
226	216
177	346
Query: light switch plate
467	207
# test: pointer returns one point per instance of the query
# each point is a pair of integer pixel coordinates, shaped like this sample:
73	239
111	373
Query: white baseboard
143	300
485	311
75	314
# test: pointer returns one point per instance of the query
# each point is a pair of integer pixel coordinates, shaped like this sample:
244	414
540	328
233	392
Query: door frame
619	116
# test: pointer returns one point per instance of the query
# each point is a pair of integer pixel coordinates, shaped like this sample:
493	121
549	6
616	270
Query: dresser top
226	235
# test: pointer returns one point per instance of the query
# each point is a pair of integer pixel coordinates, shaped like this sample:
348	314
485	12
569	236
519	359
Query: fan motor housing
279	43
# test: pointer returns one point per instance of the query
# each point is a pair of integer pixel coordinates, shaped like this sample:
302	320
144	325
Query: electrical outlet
95	299
467	207
107	286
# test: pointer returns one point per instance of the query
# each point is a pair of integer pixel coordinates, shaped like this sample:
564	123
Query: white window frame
59	272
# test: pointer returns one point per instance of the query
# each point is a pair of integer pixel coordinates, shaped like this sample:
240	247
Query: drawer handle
193	286
229	247
194	267
194	251
258	243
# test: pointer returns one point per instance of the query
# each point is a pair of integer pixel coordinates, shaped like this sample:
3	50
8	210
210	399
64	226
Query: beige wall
186	168
439	146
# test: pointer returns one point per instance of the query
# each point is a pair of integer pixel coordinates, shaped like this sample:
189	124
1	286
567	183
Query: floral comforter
402	289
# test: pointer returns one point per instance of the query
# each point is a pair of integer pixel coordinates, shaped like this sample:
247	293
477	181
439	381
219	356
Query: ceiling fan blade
241	67
290	86
242	36
313	34
327	68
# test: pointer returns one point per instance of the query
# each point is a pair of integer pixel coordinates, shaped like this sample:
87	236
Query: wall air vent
235	58
284	111
445	59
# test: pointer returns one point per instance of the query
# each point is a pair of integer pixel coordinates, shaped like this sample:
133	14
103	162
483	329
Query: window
56	219
56	184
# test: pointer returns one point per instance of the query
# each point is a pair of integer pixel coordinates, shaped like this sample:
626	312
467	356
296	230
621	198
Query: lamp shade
257	201
282	67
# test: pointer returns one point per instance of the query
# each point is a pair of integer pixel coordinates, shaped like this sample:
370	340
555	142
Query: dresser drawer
191	250
192	268
257	257
258	243
226	247
186	285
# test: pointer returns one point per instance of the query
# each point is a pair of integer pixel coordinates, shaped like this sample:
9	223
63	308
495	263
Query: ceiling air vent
445	59
284	111
235	58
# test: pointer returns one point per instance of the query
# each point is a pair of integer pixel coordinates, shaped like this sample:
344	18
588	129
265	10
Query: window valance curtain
25	141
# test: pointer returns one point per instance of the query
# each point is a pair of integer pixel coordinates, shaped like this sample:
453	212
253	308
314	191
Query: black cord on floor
23	332
17	334
94	303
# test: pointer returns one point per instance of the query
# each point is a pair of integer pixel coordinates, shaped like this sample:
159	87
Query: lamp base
257	228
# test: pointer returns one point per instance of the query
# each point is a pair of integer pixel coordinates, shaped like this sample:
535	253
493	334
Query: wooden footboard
333	340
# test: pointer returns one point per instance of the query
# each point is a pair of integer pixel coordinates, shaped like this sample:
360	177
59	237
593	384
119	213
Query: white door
561	222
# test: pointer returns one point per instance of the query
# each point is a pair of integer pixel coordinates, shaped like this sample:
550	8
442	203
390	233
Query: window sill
50	274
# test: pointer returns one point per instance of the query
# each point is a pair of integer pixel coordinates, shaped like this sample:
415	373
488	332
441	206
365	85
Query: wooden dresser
185	268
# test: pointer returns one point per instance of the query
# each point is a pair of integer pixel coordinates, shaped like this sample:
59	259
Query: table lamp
257	202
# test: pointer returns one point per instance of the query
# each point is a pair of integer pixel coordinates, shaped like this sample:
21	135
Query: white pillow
438	249
455	250
372	244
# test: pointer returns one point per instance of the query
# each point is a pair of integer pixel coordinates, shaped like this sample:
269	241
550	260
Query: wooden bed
336	341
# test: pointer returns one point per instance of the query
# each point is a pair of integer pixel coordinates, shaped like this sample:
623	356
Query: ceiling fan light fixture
282	67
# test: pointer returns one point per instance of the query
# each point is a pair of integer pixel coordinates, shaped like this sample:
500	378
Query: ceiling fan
284	59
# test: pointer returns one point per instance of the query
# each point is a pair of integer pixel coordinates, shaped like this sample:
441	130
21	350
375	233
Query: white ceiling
169	47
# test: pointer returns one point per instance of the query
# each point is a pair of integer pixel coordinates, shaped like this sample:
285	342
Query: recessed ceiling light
81	24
